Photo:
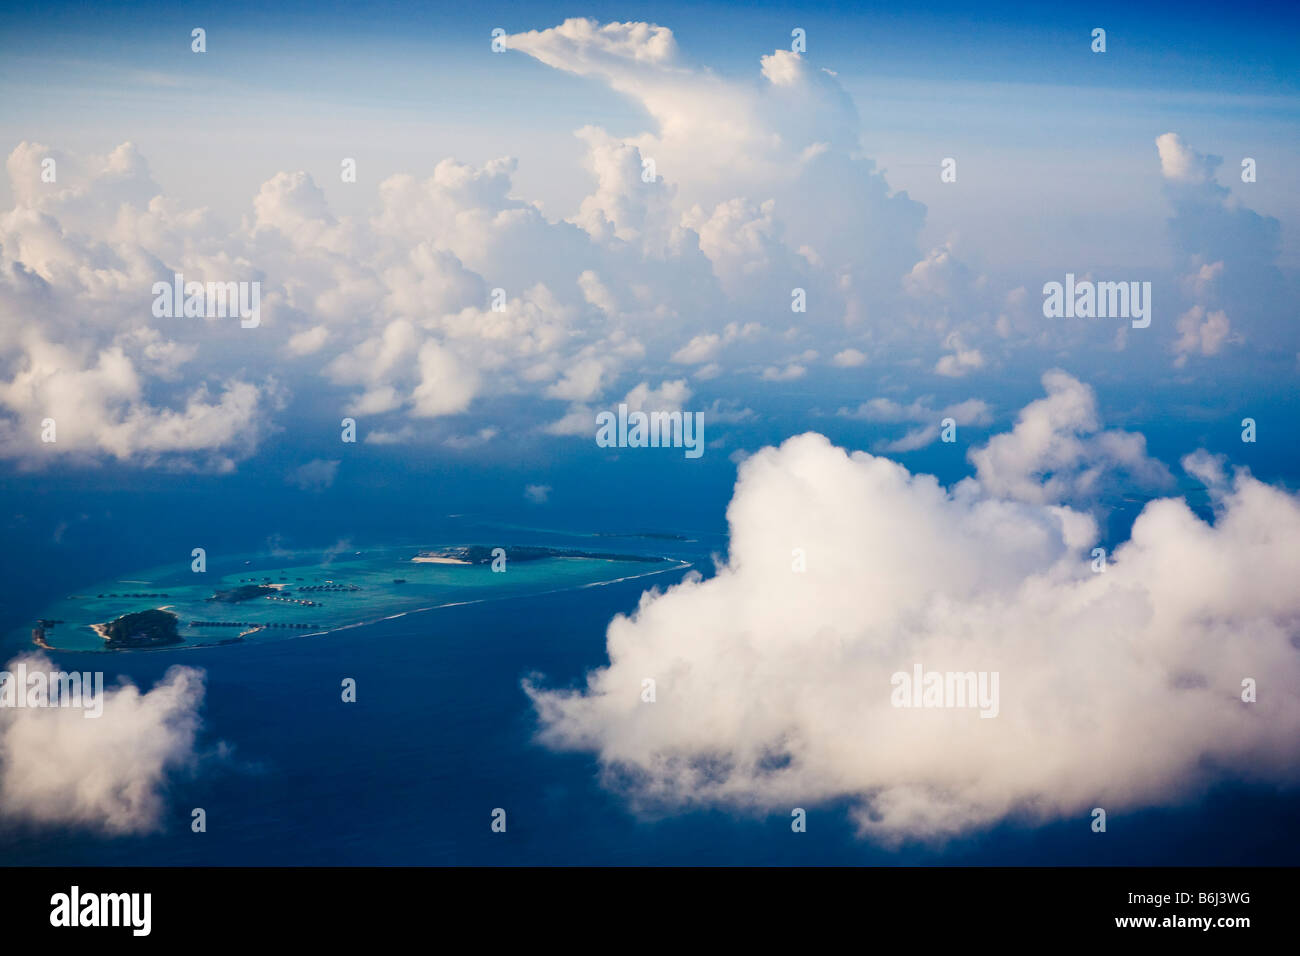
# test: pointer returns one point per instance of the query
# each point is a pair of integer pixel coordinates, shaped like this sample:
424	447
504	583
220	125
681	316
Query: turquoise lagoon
319	592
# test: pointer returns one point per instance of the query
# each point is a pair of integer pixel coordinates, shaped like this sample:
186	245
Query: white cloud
849	358
707	346
291	203
1228	256
100	409
1180	163
1200	333
58	768
116	382
700	349
308	341
668	397
581	382
783	68
960	361
597	293
761	189
446	385
972	411
1057	450
580	419
788	373
731	148
773	688
940	274
585	47
756	182
1210	470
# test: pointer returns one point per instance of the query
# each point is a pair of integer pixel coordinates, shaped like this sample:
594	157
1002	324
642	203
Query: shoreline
678	565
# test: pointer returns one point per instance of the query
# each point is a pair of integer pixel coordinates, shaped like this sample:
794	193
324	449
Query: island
482	554
652	535
295	594
245	592
152	628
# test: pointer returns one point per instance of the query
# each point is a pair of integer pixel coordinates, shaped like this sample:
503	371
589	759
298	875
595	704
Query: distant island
652	535
152	628
482	554
295	594
245	592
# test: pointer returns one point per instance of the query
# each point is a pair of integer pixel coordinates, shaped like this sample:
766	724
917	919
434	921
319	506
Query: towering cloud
1228	256
1120	688
741	202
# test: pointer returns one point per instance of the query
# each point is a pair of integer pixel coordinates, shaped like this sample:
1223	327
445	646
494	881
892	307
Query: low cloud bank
108	774
1119	688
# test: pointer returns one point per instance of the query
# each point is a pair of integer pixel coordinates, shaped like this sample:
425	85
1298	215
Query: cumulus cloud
961	361
95	404
849	358
706	347
973	411
1227	255
1119	689
85	370
585	47
670	396
1058	450
109	774
787	373
1180	163
767	175
760	198
939	275
1200	333
451	279
308	340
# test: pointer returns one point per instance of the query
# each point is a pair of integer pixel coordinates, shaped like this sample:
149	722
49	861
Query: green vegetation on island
152	628
316	595
244	592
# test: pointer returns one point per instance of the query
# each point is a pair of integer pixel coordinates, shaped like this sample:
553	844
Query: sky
829	233
1054	145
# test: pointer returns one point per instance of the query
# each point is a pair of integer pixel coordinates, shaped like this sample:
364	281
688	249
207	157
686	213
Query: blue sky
1011	88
